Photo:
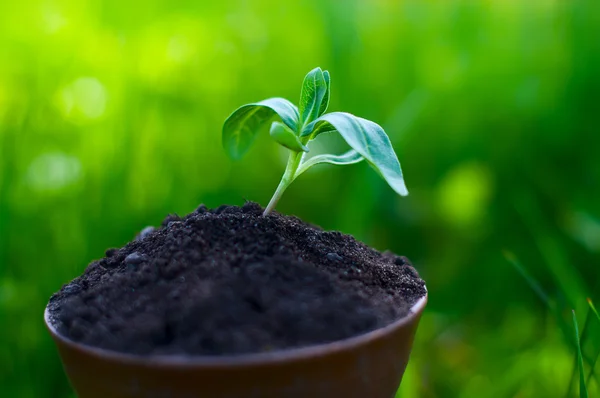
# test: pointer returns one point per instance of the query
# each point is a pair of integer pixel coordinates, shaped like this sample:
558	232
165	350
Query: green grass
593	308
110	118
583	392
592	373
573	339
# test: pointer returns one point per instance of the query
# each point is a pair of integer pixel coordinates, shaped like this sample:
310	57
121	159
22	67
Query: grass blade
589	300
535	286
554	254
555	310
593	363
583	393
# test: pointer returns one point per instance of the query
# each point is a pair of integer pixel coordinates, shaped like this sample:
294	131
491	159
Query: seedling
300	125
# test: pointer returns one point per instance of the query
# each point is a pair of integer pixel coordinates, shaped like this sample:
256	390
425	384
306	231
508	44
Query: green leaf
325	102
583	393
314	89
368	139
286	137
349	157
241	127
317	127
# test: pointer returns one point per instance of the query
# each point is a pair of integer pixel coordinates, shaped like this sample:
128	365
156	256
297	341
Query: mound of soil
231	281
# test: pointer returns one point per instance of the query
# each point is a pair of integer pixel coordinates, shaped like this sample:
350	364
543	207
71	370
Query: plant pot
368	365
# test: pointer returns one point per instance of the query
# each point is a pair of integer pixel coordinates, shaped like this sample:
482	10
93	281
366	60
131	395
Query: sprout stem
288	176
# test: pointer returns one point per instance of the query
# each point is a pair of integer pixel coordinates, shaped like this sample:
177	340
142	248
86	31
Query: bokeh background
111	114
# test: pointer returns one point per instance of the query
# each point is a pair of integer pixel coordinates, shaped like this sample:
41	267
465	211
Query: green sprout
300	125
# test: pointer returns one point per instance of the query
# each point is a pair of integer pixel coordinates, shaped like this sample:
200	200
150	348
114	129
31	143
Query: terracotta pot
370	365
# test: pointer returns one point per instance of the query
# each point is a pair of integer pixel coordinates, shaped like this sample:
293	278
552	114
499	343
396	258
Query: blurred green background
110	118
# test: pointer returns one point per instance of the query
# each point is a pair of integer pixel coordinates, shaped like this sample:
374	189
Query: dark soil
230	281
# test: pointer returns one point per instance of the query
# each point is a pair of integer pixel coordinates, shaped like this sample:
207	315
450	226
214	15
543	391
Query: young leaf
368	139
241	127
314	89
325	102
583	393
284	136
349	157
316	127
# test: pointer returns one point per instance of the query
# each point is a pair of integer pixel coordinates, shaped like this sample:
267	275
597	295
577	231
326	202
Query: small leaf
317	127
583	393
349	157
241	127
368	139
325	102
313	92
286	137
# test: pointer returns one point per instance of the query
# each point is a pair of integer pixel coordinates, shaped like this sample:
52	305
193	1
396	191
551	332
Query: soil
231	281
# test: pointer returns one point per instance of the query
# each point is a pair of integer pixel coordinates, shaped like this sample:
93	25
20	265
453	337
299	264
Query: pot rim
223	361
